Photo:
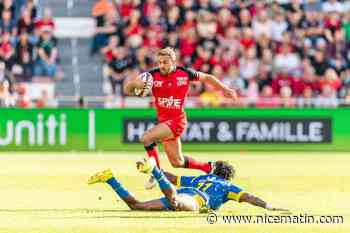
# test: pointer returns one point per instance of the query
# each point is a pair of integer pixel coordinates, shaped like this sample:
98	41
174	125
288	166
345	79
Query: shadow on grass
158	216
103	213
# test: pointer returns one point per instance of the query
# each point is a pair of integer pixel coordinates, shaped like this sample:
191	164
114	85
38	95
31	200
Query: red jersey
169	92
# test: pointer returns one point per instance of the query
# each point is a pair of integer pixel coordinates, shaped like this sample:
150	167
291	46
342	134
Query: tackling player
195	193
170	86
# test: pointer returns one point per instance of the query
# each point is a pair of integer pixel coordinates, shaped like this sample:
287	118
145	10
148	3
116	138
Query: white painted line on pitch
92	133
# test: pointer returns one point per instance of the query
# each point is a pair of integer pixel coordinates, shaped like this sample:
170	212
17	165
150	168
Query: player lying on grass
194	193
169	85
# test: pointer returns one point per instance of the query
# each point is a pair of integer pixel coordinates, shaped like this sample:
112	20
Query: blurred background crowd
28	51
285	53
282	53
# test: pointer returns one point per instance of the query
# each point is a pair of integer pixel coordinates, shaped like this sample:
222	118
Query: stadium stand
276	53
28	54
289	53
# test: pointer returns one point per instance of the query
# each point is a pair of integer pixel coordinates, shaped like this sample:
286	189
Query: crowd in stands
28	52
275	53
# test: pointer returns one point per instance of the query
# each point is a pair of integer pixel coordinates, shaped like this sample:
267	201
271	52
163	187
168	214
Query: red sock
194	164
152	151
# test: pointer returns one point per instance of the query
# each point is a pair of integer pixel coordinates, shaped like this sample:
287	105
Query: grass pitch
48	193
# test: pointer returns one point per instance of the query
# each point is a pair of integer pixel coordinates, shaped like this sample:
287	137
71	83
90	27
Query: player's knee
177	163
145	139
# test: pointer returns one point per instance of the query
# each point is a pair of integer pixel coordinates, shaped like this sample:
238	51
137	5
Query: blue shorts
193	192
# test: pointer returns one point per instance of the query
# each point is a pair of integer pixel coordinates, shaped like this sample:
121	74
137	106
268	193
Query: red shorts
177	126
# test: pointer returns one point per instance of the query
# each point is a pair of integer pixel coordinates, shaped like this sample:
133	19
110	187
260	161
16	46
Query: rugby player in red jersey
170	86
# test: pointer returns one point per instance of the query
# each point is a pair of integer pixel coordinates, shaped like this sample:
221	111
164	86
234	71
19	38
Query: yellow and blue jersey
217	190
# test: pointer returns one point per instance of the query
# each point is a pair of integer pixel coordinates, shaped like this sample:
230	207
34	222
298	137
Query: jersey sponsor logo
170	103
158	83
181	81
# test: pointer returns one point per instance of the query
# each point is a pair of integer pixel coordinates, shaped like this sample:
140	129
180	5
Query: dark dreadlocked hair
224	170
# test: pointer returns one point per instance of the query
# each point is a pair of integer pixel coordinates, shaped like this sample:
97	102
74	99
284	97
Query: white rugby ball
147	79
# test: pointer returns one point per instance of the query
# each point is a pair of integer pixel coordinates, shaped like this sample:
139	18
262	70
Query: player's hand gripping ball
147	79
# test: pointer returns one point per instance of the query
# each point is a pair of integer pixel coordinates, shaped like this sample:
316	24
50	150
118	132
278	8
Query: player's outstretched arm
130	86
253	200
213	81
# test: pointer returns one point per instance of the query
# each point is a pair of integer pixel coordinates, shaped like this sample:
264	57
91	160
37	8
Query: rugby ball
147	79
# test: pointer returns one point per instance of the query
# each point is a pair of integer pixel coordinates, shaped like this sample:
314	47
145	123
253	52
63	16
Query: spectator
190	21
225	20
249	64
100	10
247	40
262	25
108	49
252	92
346	26
46	23
47	55
173	19
264	77
287	101
283	78
117	69
232	80
6	50
8	5
308	81
345	77
103	33
207	26
332	24
307	98
320	63
6	99
7	24
24	58
286	59
25	23
330	80
188	44
267	99
23	100
31	7
245	19
125	8
210	98
44	100
312	26
327	99
143	59
279	26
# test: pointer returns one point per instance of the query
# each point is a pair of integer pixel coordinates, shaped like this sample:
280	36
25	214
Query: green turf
47	193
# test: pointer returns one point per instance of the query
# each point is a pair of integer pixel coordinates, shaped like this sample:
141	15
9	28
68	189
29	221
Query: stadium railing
195	102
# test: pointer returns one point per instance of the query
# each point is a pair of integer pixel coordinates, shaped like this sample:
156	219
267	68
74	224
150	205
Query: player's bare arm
215	82
256	201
